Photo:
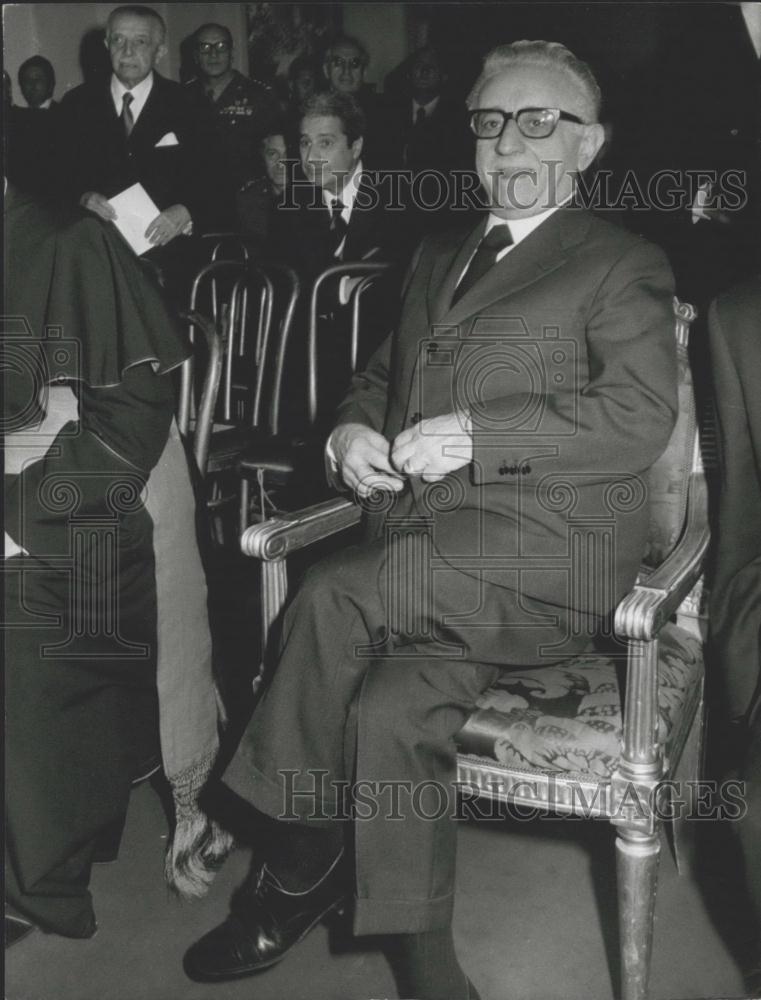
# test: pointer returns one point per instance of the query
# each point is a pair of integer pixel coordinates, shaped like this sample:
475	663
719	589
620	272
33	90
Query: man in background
138	127
244	110
31	131
344	65
36	78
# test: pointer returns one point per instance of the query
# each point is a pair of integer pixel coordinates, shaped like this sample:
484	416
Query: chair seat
566	718
283	455
226	446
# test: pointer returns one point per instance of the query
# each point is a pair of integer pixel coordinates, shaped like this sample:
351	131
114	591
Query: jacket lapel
446	271
542	251
143	134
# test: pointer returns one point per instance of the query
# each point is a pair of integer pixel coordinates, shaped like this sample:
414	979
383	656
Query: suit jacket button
416	418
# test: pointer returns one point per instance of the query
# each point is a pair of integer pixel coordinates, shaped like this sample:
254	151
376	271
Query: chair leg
637	872
684	826
244	504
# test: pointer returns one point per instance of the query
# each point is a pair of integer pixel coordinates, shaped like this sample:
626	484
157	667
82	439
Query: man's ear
161	51
356	148
591	144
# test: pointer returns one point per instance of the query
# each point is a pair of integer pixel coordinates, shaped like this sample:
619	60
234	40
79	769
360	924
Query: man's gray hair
137	10
541	54
347	40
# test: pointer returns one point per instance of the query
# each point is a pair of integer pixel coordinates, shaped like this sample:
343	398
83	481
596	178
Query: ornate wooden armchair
602	735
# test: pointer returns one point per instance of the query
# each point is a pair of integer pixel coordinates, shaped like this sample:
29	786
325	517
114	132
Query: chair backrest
361	275
670	478
204	416
210	298
255	382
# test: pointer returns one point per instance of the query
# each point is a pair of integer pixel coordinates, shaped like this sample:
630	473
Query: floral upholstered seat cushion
566	718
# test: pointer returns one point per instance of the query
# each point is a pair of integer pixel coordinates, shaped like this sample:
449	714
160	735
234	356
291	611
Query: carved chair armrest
278	537
644	611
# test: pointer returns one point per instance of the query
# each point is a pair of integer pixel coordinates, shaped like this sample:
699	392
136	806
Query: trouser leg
293	747
336	711
409	711
60	900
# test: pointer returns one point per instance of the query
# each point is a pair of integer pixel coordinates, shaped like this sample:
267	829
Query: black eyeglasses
533	123
206	48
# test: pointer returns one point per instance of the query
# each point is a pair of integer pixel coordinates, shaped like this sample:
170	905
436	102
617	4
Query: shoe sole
210	977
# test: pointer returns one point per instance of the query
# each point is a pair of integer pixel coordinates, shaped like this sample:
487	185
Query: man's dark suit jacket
95	154
440	142
706	116
565	353
302	234
735	608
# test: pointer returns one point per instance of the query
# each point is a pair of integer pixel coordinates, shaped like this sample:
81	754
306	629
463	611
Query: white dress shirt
139	93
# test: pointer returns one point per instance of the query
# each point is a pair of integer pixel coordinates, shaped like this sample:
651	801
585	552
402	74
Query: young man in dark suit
340	213
450	400
337	213
140	127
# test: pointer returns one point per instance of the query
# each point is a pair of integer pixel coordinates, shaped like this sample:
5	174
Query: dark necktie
338	225
419	117
127	118
484	258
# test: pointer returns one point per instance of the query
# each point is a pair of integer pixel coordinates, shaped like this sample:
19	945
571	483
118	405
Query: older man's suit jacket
96	155
735	611
564	353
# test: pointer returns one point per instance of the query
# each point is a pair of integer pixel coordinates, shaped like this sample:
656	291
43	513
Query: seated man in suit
426	134
426	127
447	406
339	215
141	128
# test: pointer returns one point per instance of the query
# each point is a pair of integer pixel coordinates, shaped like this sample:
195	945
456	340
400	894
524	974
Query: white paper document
134	212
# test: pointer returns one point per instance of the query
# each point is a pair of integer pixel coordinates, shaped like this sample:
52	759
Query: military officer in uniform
244	109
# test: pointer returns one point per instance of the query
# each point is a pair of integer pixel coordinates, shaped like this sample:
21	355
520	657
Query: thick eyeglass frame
557	114
206	48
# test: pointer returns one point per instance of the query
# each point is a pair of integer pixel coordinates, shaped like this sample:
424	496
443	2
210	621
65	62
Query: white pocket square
170	139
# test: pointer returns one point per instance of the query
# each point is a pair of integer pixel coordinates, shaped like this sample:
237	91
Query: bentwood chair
295	457
601	735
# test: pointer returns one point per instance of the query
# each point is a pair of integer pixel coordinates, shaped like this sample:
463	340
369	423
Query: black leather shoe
265	923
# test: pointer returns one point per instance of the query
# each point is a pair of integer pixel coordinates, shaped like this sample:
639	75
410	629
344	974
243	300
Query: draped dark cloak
80	629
